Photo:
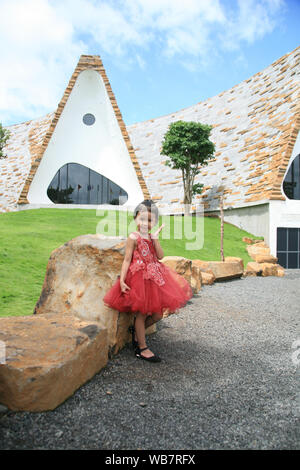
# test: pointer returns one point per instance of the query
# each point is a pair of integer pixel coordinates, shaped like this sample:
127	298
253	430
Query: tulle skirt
147	297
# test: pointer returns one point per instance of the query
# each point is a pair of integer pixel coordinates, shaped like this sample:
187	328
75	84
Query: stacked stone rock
264	263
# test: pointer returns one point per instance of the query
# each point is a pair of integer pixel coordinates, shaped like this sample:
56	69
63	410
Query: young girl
146	287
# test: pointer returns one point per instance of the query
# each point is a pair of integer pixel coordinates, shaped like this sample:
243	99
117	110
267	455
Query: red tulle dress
154	287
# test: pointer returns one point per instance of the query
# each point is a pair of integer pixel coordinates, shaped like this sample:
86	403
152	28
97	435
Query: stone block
269	269
265	259
48	357
207	278
182	266
280	271
207	274
196	279
253	269
222	270
235	259
258	249
78	275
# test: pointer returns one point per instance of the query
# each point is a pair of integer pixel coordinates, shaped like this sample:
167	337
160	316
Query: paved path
227	381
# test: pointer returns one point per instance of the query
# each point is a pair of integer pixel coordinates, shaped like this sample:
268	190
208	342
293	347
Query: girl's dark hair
149	205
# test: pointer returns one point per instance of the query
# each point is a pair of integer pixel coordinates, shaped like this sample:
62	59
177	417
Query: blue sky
160	55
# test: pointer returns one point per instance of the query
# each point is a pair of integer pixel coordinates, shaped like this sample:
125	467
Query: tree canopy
189	148
4	136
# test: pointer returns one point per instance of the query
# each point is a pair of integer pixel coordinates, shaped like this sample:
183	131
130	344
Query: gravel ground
227	380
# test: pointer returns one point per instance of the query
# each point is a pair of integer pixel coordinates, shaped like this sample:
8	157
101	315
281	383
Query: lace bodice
144	257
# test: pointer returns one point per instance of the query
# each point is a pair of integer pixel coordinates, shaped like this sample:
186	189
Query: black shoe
131	330
150	359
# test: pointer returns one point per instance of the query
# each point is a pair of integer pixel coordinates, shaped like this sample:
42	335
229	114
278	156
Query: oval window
89	119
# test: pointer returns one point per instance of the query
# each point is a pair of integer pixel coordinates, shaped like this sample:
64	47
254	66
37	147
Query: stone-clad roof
255	125
22	149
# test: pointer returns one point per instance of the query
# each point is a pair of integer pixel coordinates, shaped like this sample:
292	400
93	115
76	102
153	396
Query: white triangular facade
100	147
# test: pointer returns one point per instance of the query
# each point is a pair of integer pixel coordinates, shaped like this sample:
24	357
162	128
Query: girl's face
145	221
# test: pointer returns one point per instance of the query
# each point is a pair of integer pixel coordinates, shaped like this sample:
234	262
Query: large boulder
72	333
269	269
263	269
207	275
184	267
253	269
235	259
256	249
251	240
264	263
265	258
280	271
222	270
181	265
47	358
78	275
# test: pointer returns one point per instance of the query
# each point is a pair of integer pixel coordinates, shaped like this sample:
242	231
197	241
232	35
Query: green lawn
28	237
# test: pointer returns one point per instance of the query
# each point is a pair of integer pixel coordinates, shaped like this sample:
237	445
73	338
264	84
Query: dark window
288	247
282	259
291	184
293	239
281	239
293	260
78	184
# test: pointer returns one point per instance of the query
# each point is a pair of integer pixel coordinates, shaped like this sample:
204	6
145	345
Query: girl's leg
140	334
151	319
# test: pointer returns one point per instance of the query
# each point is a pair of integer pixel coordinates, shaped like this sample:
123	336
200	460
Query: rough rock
269	269
196	279
247	240
207	278
265	259
251	240
280	271
48	357
258	249
206	273
222	270
263	269
234	259
78	275
253	269
182	266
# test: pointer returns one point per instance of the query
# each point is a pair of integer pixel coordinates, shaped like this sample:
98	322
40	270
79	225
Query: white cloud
37	50
42	40
253	20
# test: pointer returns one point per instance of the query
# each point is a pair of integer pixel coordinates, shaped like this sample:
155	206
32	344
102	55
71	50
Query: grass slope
28	237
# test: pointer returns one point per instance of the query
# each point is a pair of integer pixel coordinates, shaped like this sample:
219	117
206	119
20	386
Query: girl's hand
155	234
124	287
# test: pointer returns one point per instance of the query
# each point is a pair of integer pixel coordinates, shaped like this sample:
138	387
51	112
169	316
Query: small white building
82	155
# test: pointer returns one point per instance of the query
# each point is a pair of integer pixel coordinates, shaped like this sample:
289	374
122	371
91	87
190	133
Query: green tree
4	136
188	147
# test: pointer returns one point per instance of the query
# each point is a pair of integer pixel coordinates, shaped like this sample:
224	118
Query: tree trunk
187	199
222	226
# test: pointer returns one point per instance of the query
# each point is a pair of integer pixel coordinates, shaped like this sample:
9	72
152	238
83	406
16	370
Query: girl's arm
126	262
158	248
